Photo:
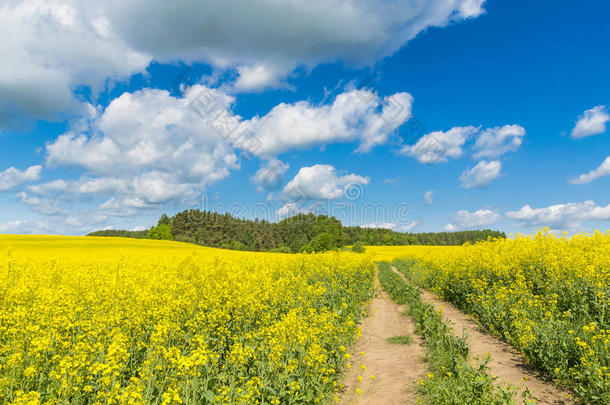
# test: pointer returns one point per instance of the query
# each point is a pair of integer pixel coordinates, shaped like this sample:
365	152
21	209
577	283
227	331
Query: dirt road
395	368
506	363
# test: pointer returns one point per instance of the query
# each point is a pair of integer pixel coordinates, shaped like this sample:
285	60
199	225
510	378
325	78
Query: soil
506	363
396	367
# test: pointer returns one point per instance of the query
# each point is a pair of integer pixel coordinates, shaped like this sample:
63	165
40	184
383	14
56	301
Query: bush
358	247
281	249
162	231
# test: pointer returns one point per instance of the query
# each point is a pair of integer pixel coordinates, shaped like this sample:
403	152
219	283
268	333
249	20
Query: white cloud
45	206
146	146
149	148
439	146
396	110
293	208
468	220
428	195
561	216
280	35
601	171
321	182
495	142
260	76
12	177
407	227
591	122
69	224
352	116
51	47
481	175
25	227
124	206
270	175
395	227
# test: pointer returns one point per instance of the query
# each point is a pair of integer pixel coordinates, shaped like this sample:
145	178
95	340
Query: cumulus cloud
591	122
12	177
321	182
42	205
561	216
439	146
268	39
481	175
146	148
25	227
428	195
293	208
601	171
495	142
468	220
395	227
54	46
260	76
149	147
50	47
67	224
407	227
270	175
353	116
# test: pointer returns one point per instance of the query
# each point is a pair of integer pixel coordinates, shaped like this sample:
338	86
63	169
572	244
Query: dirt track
396	368
506	363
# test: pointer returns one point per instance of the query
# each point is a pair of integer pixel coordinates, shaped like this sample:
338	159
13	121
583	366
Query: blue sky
415	115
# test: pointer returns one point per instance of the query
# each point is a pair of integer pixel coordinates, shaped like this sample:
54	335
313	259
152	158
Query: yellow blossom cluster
122	321
549	296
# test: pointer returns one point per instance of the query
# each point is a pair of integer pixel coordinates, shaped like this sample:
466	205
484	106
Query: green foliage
162	231
379	236
358	247
299	233
452	378
164	220
120	233
281	249
400	340
234	245
323	242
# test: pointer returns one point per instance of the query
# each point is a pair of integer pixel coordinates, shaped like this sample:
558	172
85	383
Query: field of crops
108	321
113	321
548	296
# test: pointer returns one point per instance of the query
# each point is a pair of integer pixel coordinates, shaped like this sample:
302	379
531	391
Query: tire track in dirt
506	362
396	368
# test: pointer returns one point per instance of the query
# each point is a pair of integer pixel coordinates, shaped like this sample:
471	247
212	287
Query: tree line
299	233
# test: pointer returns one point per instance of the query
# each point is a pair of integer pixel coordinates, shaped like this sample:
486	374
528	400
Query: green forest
299	233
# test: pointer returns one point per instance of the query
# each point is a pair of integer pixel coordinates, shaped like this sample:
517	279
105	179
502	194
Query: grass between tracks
452	378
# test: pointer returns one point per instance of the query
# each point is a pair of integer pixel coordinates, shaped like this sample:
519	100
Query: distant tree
161	232
358	247
281	249
322	242
301	232
120	233
164	220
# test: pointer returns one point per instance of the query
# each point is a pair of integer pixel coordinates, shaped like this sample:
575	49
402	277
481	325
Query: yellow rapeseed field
111	320
548	296
389	253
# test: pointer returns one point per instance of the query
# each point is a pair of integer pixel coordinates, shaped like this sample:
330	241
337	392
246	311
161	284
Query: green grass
452	379
400	340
